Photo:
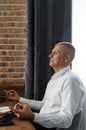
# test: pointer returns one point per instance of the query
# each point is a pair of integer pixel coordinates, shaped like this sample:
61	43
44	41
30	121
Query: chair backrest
75	123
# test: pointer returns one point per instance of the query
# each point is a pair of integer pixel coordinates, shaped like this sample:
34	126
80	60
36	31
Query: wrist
32	116
17	98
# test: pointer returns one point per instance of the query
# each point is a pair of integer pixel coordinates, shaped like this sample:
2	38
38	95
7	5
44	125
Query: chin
50	65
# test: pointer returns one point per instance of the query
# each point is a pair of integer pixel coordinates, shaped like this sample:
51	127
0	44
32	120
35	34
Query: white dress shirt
62	100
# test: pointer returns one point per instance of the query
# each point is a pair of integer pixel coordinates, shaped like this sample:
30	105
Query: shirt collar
61	72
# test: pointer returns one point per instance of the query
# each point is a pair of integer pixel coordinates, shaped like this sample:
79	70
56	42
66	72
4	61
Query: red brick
20	47
5	64
3	53
3	70
19	69
17	1
17	64
17	41
6	35
3	41
16	53
3	1
19	24
7	47
16	75
12	8
3	75
7	58
15	30
23	58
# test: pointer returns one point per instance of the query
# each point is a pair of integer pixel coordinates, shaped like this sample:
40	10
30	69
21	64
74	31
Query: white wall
79	37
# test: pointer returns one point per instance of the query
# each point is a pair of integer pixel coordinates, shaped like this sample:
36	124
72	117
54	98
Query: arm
13	95
24	112
33	104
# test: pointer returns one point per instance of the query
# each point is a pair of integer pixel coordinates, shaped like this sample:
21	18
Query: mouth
51	60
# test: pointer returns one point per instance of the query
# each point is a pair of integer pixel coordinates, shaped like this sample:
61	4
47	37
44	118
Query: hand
12	95
23	111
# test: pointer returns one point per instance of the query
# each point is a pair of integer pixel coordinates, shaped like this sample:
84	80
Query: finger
5	91
8	92
17	111
11	91
18	106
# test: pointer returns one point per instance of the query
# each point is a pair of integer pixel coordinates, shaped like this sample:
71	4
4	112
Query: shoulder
71	75
71	79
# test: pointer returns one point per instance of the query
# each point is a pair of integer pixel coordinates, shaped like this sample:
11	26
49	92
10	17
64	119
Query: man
63	95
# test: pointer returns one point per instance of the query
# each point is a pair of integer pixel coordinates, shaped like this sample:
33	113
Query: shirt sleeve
33	104
53	120
71	99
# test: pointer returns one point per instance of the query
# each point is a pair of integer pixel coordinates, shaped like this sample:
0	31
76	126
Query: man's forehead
58	46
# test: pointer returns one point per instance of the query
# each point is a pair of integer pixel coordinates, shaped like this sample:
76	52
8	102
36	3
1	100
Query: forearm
33	104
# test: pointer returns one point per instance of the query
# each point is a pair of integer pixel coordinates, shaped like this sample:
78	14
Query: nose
50	55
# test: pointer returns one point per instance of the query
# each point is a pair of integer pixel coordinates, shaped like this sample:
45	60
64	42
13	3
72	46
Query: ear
67	58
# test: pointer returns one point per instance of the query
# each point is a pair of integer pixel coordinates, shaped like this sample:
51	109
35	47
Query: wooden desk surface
18	124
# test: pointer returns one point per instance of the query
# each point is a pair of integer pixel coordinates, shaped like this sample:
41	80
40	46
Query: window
79	37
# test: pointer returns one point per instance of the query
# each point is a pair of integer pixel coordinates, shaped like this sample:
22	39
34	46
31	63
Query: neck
59	68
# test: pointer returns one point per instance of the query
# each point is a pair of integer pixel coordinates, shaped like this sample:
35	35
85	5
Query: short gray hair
70	47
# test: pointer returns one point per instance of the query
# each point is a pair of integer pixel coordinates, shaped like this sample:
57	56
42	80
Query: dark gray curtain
49	21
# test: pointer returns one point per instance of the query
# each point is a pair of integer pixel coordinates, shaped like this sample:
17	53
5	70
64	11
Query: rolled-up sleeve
33	104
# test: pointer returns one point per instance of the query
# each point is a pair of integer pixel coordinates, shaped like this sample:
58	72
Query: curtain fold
49	21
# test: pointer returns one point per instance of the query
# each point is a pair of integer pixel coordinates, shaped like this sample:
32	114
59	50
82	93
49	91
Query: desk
18	123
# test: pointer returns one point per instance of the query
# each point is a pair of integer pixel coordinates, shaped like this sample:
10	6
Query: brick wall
13	38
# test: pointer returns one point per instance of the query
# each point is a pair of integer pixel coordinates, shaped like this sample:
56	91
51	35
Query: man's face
57	57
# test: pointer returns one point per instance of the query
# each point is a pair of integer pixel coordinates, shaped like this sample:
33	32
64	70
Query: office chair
75	123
